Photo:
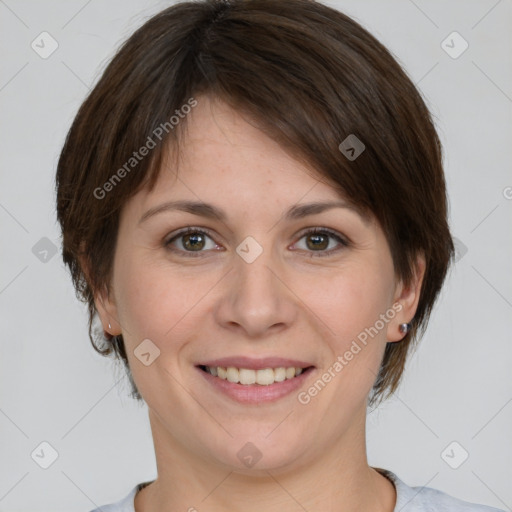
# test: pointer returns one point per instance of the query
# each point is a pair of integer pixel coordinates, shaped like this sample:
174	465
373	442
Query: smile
255	381
247	376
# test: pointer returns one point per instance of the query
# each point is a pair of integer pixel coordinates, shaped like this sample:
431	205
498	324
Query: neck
338	480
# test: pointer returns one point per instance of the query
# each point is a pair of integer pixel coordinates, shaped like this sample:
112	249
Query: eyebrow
213	212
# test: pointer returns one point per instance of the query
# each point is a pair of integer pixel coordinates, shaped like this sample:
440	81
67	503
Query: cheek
159	302
350	306
348	302
156	303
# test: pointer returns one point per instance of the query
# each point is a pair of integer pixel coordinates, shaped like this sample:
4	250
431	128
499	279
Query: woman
252	200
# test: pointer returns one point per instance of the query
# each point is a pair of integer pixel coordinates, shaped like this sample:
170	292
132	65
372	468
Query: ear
104	302
407	298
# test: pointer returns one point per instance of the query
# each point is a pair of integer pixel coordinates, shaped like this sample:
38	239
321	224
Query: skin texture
289	302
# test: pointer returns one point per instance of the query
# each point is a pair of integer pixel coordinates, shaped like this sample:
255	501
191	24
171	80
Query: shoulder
124	505
427	499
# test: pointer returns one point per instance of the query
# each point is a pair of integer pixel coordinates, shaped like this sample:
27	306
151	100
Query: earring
404	328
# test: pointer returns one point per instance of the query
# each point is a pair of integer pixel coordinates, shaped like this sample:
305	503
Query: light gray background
55	388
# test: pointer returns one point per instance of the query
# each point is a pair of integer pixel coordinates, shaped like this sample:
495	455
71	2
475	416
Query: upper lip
255	364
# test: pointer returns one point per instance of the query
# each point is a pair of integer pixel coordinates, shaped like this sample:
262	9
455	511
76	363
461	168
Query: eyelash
343	241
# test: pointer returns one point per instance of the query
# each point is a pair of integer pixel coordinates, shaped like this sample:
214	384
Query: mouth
249	377
254	381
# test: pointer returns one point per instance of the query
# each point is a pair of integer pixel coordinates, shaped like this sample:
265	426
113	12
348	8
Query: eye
190	240
193	240
317	240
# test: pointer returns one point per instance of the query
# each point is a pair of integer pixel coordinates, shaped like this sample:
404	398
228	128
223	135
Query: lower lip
255	393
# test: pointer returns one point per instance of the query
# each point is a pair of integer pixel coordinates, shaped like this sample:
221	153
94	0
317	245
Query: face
252	289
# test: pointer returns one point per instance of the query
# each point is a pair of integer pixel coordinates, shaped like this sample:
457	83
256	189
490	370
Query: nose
257	300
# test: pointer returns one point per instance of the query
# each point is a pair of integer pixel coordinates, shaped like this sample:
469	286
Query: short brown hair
309	76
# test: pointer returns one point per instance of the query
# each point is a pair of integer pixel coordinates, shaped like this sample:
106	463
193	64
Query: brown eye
190	240
194	241
318	240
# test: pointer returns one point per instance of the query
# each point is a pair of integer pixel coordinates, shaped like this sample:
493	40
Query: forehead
223	154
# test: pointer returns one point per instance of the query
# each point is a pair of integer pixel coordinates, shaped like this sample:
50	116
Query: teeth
246	376
279	374
290	373
232	374
266	376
